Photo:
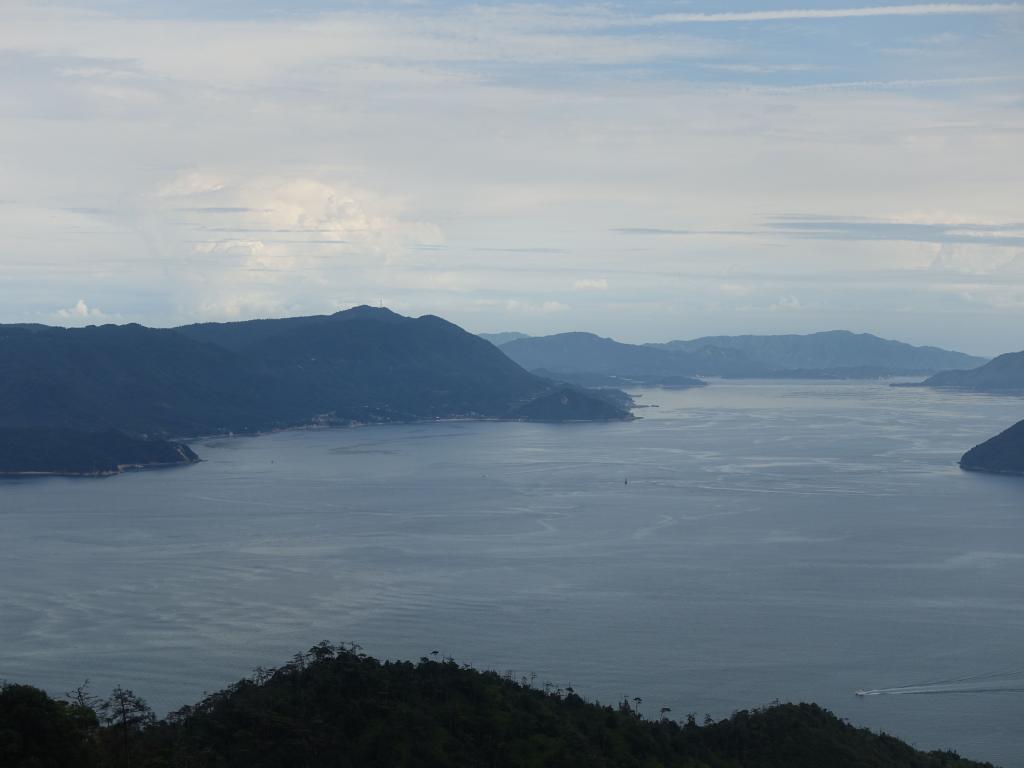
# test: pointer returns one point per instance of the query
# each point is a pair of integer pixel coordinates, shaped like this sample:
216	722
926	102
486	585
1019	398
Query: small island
1002	454
26	452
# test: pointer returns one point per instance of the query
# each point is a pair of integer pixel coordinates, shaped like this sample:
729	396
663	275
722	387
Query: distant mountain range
1005	374
572	354
497	339
827	355
1003	454
834	351
364	365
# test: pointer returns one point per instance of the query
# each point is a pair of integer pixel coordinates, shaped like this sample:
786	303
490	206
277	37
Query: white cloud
535	308
591	284
81	312
396	152
191	183
787	304
919	9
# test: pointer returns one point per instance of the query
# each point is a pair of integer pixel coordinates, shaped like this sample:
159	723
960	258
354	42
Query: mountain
1003	454
358	366
338	708
586	356
497	339
1005	374
139	380
830	353
72	452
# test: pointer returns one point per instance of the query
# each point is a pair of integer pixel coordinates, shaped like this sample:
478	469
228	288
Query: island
69	390
1002	454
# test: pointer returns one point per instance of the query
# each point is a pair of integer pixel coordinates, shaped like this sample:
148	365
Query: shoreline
121	470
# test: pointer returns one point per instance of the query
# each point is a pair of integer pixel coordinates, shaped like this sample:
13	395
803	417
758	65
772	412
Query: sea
739	544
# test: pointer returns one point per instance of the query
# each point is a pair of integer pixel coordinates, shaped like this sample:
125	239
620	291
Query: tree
127	713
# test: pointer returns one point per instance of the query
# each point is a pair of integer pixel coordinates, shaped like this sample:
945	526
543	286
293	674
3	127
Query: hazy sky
646	170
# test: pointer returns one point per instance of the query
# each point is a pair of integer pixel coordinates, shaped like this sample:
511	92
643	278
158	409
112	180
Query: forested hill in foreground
335	708
1005	374
364	365
1002	454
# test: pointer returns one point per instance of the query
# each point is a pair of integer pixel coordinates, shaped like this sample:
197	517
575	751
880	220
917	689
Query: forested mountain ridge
338	708
364	365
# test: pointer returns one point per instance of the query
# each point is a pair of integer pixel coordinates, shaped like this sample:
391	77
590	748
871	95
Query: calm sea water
790	541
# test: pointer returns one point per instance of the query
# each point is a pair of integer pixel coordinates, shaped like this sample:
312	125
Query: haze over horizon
645	171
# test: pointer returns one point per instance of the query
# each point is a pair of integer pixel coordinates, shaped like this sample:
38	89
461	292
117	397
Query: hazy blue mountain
73	452
1003	453
830	352
362	365
1004	374
497	339
585	357
588	357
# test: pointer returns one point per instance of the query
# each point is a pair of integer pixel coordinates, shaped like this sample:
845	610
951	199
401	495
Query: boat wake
1010	681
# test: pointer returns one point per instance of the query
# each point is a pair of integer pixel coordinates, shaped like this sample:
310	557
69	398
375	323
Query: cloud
591	284
406	150
786	304
217	209
849	228
920	9
759	69
191	183
81	312
535	308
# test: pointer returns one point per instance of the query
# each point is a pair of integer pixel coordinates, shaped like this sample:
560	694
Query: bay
742	543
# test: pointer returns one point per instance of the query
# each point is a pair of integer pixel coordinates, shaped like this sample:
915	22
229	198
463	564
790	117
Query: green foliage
338	708
38	732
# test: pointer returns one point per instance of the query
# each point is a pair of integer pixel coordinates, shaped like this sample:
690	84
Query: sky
644	170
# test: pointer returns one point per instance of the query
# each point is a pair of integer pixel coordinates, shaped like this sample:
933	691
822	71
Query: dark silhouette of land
1002	454
1003	375
73	452
338	708
361	366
